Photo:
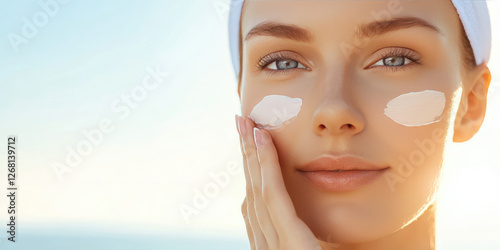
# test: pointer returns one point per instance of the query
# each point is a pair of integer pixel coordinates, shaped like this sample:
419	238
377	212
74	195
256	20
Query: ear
470	115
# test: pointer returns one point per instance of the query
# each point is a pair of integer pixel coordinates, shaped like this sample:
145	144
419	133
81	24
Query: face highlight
381	100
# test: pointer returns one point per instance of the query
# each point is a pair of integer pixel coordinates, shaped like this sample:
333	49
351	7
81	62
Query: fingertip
249	121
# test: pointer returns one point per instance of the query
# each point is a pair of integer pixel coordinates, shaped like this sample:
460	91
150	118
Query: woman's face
337	67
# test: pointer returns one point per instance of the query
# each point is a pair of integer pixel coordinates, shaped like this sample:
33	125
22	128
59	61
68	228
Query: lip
340	173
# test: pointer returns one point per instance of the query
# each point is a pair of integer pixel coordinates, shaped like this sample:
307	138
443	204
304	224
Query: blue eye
280	62
393	61
398	59
285	64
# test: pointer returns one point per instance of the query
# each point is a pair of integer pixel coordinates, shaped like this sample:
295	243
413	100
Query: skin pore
346	63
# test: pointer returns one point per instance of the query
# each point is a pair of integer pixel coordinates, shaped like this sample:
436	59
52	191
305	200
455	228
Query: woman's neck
419	235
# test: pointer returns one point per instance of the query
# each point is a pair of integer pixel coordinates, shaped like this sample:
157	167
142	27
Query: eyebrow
369	30
378	28
280	30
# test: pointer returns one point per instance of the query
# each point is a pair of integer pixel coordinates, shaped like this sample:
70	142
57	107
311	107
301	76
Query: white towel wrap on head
473	13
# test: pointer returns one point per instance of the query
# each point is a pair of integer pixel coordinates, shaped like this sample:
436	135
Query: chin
337	226
345	221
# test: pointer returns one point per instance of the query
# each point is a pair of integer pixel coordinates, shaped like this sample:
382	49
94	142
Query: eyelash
271	58
400	52
393	52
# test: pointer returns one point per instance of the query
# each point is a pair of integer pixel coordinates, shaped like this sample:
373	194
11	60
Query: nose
335	117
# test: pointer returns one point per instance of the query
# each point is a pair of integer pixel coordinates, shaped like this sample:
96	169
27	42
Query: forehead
343	18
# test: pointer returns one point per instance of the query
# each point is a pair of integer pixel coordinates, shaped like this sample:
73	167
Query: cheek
409	119
418	126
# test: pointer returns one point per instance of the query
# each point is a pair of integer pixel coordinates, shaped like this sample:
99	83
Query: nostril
347	126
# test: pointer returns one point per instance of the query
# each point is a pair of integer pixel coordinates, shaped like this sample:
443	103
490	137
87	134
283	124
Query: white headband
473	13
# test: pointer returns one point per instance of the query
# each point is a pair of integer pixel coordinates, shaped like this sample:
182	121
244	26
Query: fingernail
258	136
236	120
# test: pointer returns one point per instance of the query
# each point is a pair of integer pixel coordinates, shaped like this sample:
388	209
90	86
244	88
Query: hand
270	217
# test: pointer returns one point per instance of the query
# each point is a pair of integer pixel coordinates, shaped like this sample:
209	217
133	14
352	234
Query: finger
247	224
280	206
248	181
260	209
244	206
249	159
263	216
251	156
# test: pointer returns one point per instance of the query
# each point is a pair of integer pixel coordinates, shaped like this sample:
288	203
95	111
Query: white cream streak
274	111
417	108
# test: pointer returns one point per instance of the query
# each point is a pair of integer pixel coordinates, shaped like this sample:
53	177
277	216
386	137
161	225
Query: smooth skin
344	97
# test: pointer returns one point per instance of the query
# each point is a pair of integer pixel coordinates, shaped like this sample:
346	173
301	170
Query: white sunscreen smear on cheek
274	111
416	108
